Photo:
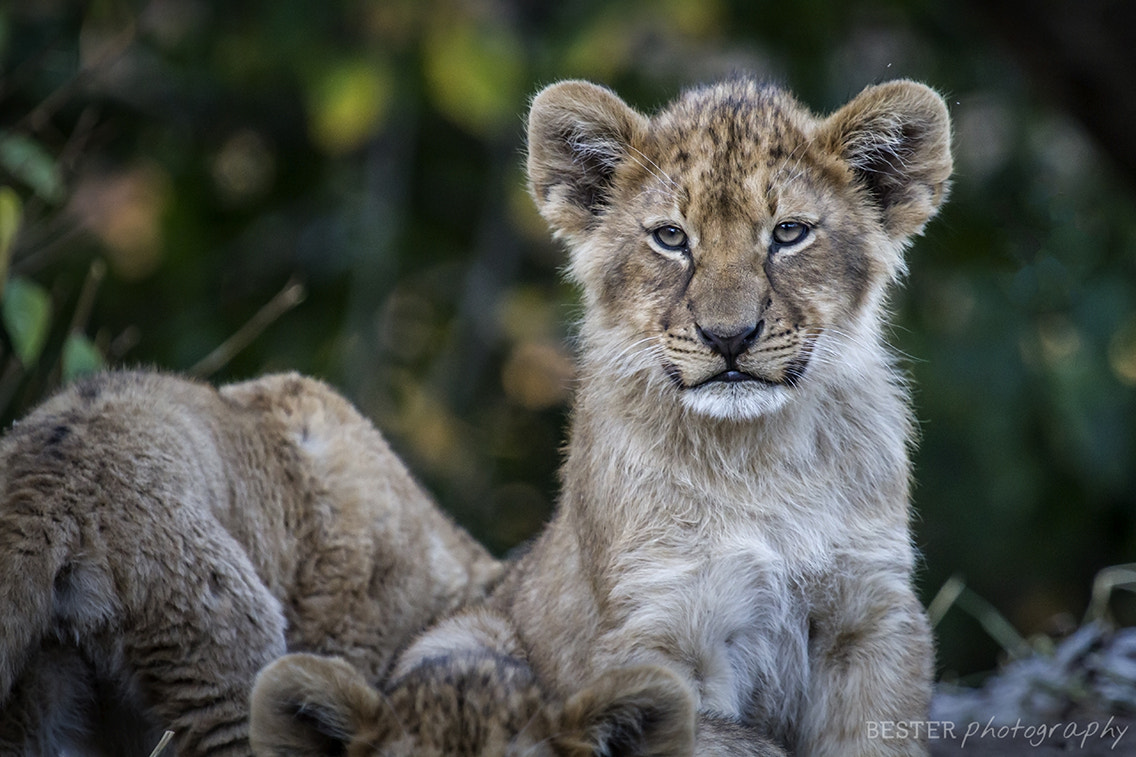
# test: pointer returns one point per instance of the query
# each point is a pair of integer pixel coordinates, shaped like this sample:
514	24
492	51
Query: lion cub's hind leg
59	707
108	547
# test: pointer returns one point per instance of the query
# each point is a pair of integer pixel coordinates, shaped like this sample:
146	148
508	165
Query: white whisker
535	747
654	169
796	156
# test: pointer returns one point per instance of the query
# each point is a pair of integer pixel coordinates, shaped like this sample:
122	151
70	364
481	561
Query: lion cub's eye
789	232
670	237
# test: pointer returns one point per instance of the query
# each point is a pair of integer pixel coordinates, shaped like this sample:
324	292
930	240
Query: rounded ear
897	139
578	133
637	712
303	704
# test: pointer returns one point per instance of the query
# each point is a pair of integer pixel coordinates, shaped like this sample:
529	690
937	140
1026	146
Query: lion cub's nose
730	346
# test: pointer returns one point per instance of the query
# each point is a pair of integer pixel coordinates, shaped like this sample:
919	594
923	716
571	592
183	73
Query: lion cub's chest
729	611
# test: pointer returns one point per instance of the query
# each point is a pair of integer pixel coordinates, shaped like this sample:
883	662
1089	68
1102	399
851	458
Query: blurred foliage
179	174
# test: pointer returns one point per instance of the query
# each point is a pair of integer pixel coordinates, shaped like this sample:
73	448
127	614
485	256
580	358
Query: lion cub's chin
741	401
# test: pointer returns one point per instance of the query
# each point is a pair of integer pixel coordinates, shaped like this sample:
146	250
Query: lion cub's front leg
871	664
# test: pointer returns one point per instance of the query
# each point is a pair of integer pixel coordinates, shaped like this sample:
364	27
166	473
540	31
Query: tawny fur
737	514
466	699
161	541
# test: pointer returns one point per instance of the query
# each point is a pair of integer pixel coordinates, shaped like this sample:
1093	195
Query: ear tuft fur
303	704
897	138
578	134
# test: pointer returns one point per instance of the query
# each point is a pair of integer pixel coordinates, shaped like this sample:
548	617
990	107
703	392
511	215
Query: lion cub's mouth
791	377
732	376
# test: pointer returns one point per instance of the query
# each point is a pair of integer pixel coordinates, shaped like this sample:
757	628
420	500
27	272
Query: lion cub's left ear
643	711
304	704
897	138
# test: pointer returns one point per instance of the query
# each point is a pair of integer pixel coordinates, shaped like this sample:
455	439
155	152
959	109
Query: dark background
179	174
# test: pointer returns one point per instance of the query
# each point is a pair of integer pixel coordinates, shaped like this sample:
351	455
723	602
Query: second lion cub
162	540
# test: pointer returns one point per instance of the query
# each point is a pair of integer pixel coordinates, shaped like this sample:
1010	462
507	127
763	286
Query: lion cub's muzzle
730	346
767	353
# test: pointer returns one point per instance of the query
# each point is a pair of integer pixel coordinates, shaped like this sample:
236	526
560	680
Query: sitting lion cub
161	541
735	492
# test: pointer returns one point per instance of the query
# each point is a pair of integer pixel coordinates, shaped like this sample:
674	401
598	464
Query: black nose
730	346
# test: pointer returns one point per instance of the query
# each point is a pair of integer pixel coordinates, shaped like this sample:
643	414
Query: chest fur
717	561
730	612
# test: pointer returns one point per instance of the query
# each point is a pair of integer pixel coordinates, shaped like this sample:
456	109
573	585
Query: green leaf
26	312
348	104
476	75
80	357
27	160
11	211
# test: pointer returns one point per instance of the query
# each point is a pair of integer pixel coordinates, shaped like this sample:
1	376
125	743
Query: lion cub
735	491
161	541
458	692
464	689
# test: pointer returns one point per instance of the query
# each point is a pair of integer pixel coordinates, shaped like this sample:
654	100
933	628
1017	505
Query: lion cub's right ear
638	712
303	704
578	133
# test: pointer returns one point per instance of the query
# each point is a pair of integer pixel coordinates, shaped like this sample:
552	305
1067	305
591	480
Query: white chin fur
735	402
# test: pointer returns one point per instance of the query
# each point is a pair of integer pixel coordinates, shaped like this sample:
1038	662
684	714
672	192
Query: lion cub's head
734	244
464	705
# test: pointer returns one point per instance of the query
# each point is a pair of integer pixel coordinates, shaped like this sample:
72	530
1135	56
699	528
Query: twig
95	275
1107	580
946	597
955	592
55	100
162	744
287	298
43	253
77	141
994	623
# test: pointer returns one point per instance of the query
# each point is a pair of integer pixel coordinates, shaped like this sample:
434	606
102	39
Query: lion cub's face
733	243
483	705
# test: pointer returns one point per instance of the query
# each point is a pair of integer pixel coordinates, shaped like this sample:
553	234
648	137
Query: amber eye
670	237
789	232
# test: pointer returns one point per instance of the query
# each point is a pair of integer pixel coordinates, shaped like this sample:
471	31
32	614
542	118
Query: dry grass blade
162	744
287	298
1106	582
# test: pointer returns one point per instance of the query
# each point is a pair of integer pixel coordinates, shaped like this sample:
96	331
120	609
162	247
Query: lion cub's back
143	432
332	522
